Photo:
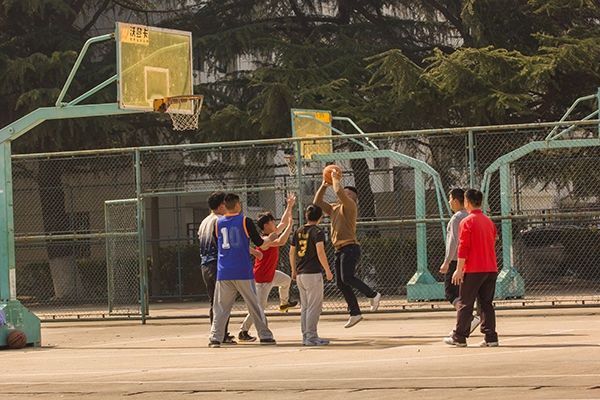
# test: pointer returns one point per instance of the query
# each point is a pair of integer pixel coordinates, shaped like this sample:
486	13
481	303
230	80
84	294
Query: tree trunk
63	267
366	200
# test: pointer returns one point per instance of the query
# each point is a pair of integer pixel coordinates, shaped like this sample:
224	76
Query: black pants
450	289
346	260
209	275
480	286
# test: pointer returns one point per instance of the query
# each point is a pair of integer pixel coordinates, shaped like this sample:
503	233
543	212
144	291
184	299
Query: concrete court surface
544	354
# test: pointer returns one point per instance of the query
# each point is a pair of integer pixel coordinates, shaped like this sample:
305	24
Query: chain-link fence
64	262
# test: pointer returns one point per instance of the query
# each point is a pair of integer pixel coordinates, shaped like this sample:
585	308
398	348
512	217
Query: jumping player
347	250
266	274
234	271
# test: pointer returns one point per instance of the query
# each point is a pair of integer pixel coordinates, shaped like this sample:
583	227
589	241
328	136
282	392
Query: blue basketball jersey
234	262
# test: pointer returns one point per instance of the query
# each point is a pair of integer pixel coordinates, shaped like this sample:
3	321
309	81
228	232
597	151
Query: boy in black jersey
308	260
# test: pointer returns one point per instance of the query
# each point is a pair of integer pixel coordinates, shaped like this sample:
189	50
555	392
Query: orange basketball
327	172
16	340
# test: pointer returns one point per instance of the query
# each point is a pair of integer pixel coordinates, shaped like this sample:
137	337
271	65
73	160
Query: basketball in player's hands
327	173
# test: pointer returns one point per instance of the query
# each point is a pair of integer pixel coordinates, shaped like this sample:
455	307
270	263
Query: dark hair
458	194
474	196
352	188
264	218
230	200
313	212
215	200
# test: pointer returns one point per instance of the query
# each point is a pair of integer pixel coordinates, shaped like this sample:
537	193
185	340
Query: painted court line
443	378
344	363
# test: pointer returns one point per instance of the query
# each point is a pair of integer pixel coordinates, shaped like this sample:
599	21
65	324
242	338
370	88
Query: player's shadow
548	345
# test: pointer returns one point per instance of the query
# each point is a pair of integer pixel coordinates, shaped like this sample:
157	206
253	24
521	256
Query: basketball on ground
327	172
16	340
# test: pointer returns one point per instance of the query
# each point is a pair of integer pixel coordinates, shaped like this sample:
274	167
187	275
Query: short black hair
352	188
474	196
264	218
230	200
215	200
313	212
458	194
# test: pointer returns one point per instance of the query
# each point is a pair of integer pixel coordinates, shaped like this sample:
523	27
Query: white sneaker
353	320
451	342
489	344
375	302
475	323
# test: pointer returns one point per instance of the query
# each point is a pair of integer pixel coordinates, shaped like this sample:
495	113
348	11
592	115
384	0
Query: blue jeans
346	260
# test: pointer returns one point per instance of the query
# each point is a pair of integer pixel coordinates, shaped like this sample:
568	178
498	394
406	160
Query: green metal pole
87	44
7	236
16	315
505	210
420	212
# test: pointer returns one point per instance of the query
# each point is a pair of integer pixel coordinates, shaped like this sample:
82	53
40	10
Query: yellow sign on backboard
152	63
312	124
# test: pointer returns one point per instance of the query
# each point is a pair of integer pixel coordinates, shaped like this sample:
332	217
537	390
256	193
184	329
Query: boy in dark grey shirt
456	200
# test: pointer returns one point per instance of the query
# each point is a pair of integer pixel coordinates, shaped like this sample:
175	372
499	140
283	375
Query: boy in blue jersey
234	271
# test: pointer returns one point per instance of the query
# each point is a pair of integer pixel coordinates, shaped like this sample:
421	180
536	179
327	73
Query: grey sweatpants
282	281
225	294
311	301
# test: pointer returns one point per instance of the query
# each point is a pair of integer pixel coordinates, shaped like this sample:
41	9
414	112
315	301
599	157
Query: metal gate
126	270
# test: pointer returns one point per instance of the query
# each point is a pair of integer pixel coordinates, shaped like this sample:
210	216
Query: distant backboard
312	124
152	63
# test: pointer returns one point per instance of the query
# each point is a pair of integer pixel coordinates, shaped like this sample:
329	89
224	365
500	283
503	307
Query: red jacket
477	243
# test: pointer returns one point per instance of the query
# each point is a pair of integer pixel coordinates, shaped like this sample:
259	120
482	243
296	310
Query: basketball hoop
290	160
183	110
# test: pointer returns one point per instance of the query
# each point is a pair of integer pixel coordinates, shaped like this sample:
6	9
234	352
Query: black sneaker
214	344
244	336
229	339
286	307
268	341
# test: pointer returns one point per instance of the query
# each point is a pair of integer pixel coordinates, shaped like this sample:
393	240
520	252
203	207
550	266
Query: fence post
140	214
598	100
298	156
471	143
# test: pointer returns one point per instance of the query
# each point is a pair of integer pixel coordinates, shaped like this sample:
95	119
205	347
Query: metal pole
298	155
471	140
420	212
7	233
505	210
140	213
87	44
598	101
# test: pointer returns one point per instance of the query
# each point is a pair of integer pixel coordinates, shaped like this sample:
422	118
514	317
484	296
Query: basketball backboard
152	63
312	124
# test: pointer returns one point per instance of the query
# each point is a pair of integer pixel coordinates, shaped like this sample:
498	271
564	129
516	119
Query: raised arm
283	238
336	177
287	214
318	200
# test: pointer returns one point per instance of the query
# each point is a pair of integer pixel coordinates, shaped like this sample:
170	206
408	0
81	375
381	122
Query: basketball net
290	160
179	108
